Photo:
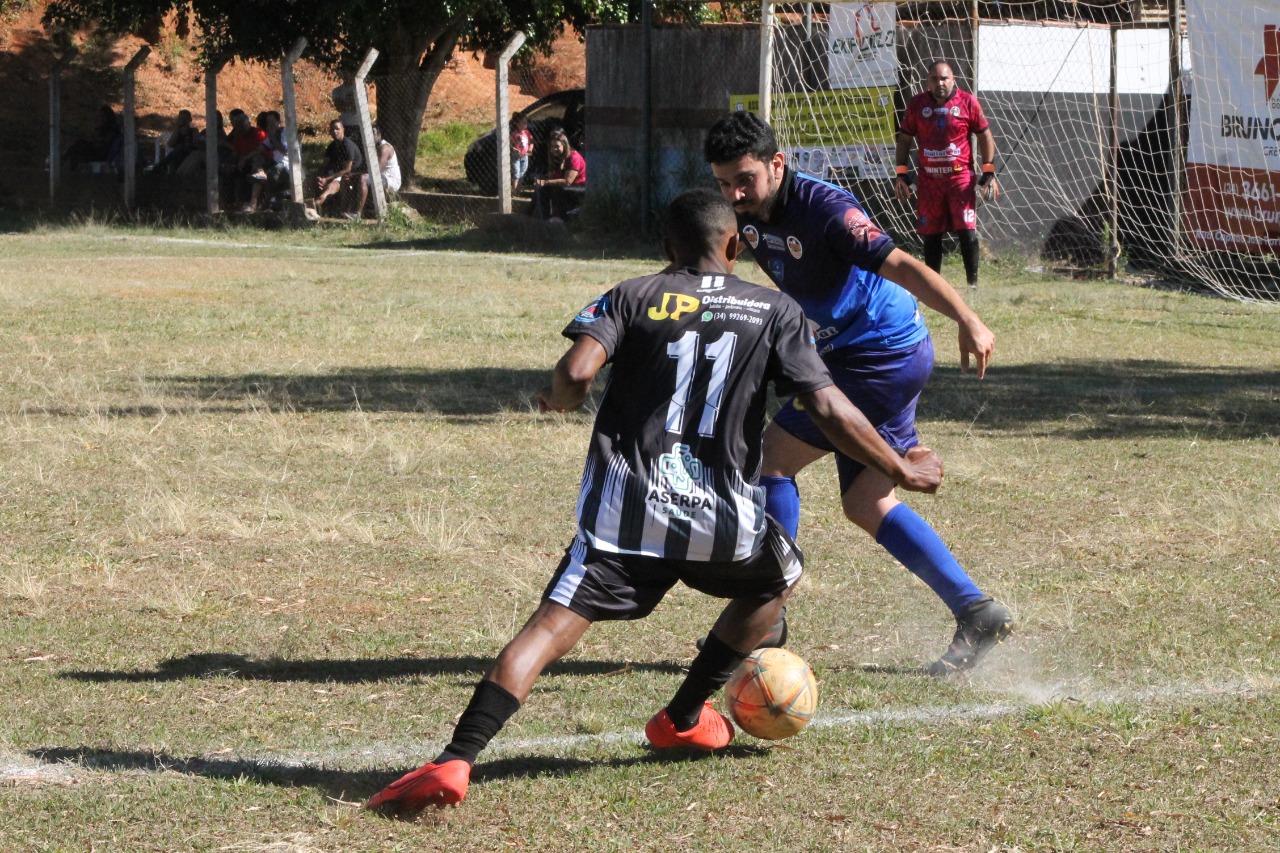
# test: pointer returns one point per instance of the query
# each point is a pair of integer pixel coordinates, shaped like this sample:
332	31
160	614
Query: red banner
1233	209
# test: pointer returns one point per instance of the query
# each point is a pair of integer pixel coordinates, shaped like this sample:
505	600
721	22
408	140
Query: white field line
19	769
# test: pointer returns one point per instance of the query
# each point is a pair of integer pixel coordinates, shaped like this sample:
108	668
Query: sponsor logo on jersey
728	301
594	311
752	236
674	306
711	282
794	247
775	270
682	478
707	316
773	241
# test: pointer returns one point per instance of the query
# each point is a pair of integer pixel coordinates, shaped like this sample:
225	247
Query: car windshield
551	110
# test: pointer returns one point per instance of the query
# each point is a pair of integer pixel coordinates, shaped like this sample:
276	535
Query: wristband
988	168
904	174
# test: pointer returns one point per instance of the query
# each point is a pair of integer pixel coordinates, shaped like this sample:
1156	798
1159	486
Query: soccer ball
772	695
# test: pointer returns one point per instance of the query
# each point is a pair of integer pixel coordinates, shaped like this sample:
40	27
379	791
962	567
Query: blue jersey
821	249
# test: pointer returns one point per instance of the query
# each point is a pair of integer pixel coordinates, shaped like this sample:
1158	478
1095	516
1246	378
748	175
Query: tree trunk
413	67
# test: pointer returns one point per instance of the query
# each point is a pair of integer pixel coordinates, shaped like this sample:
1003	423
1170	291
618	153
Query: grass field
271	502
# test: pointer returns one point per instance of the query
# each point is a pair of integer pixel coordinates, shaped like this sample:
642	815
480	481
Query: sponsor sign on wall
1233	149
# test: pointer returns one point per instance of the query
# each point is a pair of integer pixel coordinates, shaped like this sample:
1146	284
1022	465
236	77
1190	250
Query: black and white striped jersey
675	454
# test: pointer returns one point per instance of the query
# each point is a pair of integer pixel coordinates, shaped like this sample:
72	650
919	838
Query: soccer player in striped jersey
818	245
669	490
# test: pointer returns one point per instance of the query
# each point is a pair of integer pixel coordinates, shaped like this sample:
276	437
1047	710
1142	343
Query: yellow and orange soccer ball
772	695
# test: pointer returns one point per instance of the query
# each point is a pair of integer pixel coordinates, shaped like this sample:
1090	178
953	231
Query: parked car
564	110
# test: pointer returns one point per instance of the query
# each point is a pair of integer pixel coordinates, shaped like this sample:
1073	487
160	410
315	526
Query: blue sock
911	540
782	501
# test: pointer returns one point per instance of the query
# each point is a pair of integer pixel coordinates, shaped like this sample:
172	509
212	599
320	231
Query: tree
415	38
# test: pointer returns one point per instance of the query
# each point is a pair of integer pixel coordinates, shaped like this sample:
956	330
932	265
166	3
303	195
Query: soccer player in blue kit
818	246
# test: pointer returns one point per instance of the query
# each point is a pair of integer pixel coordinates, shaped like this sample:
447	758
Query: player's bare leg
549	634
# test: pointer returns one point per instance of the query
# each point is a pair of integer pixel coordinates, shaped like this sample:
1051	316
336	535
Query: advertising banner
1233	150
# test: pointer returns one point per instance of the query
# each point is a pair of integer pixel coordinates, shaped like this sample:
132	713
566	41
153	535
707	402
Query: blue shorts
885	385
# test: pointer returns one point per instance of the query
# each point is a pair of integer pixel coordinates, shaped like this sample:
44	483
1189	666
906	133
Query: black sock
933	252
491	706
708	673
969	253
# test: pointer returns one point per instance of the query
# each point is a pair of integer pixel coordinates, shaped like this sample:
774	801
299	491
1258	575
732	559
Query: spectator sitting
560	192
341	159
388	167
246	141
106	144
270	162
195	160
182	141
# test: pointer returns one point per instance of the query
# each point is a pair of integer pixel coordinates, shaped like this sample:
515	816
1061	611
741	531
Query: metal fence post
212	167
296	205
55	125
131	127
503	137
366	136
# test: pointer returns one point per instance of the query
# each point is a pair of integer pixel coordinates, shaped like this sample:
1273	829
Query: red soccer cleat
712	731
430	785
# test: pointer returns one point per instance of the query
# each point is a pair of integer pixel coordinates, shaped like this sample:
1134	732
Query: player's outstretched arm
934	290
853	434
572	377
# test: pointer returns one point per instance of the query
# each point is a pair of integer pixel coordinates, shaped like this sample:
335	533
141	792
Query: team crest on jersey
858	225
955	111
752	236
594	311
926	112
794	247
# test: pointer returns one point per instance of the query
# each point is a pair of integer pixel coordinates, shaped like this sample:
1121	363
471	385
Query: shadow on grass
343	671
1076	399
350	785
1111	399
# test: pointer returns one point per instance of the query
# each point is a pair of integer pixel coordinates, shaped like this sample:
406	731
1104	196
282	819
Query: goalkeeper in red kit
942	117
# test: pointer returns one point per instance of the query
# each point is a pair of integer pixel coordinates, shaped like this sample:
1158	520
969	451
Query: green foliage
449	141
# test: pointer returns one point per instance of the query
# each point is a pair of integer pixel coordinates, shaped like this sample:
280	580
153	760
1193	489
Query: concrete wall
695	71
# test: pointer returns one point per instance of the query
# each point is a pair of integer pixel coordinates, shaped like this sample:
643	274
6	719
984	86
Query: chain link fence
447	143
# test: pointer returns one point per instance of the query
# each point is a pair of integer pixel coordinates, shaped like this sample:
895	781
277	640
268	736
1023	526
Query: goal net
1105	159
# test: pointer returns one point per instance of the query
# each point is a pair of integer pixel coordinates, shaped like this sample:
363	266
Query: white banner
1232	200
861	45
1235	100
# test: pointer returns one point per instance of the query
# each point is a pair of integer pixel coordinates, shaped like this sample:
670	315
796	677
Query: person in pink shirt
521	148
560	192
941	118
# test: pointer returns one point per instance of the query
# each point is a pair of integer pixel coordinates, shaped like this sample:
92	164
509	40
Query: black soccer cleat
979	627
775	639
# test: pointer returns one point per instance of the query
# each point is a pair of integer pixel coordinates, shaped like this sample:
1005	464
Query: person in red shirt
560	192
246	140
942	117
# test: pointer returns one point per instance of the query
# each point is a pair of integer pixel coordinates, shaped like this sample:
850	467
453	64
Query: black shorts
601	586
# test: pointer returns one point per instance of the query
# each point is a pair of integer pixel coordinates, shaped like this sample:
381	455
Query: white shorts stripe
568	584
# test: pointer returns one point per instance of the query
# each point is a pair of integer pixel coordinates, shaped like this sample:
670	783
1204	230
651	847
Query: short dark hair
696	221
737	134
